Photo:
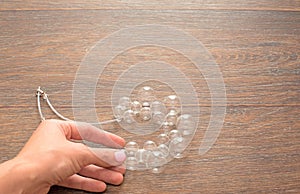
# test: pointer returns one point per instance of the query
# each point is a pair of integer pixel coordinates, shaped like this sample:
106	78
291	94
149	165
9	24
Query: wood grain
290	5
255	44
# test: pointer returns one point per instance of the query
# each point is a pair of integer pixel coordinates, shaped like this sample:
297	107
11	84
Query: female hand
51	158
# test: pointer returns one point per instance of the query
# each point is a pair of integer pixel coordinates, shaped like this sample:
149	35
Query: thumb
103	157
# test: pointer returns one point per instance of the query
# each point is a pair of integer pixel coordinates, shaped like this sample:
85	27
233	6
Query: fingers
108	157
85	131
102	174
121	169
95	178
83	183
93	134
103	157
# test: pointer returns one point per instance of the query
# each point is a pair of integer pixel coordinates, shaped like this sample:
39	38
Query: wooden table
255	44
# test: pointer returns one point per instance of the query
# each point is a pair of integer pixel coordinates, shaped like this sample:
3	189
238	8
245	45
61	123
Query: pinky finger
83	183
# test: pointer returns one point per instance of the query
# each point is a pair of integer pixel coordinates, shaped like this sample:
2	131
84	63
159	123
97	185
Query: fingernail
120	156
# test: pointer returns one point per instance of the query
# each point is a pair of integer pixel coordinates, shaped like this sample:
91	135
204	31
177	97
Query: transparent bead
156	159
164	149
162	139
125	101
131	148
176	147
185	120
171	118
186	125
165	128
158	106
145	114
146	104
187	132
119	111
142	157
146	94
157	170
158	118
131	163
136	107
172	102
149	145
174	134
128	117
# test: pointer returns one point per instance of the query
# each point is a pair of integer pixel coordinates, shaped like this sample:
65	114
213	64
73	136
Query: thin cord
38	97
40	93
107	122
54	110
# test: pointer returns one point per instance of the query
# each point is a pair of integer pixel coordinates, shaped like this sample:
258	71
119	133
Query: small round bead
162	139
145	114
158	169
125	101
131	163
158	106
158	118
142	157
176	147
171	118
119	111
165	128
146	104
131	148
174	134
156	159
146	94
172	102
149	145
185	120
128	117
164	149
136	106
186	125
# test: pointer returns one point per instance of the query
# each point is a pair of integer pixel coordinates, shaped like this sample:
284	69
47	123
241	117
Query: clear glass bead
158	106
146	104
172	102
136	106
125	101
156	159
176	147
164	149
185	120
165	128
131	148
174	134
162	139
131	163
128	117
186	125
142	157
145	114
157	170
158	118
119	111
146	94
171	118
149	145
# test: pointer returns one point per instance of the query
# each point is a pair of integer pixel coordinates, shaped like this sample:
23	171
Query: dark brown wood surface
255	44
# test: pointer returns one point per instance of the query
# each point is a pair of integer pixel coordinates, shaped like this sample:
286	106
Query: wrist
20	175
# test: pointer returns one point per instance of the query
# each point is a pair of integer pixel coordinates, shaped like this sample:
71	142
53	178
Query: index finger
85	131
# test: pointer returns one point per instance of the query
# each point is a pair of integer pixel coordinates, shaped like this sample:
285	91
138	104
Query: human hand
50	158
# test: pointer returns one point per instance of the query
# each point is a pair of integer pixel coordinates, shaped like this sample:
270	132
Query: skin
52	157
